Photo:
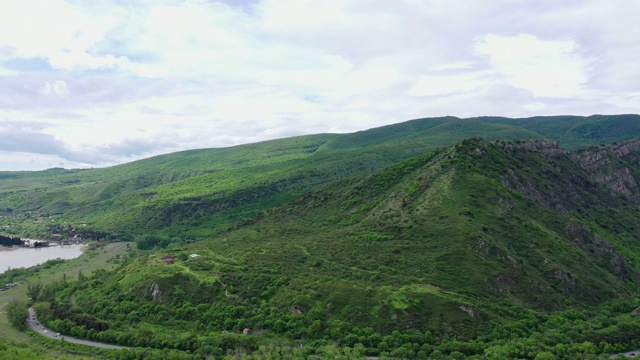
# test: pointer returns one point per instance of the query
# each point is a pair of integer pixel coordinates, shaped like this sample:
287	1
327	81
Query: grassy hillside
195	194
576	132
463	242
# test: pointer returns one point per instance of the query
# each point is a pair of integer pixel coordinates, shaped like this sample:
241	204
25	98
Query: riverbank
24	257
10	248
20	342
14	247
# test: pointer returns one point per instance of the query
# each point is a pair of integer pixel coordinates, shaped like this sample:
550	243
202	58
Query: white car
46	331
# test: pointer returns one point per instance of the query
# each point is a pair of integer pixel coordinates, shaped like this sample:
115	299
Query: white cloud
57	31
58	88
114	78
546	68
15	161
440	85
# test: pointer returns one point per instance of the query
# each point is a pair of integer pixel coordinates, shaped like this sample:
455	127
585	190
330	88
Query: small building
194	256
245	331
168	259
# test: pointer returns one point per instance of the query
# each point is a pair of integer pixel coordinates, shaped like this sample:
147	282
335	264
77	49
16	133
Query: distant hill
194	194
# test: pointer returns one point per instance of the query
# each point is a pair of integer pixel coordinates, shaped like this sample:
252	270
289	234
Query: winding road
627	354
34	323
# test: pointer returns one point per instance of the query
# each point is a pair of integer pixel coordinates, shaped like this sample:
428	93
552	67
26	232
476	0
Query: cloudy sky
97	83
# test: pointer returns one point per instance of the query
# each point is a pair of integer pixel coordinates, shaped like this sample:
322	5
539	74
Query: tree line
196	328
10	241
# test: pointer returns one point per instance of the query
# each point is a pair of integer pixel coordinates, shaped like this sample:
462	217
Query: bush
18	314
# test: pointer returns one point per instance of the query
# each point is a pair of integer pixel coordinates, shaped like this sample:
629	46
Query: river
11	258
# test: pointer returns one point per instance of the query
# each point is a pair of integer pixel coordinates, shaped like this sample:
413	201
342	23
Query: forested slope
194	194
460	243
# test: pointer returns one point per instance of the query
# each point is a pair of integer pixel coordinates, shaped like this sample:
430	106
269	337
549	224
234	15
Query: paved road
627	354
34	323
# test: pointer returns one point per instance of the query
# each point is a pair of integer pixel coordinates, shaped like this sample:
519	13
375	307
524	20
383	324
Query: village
43	243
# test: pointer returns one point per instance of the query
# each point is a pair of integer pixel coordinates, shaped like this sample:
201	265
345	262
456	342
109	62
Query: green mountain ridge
198	193
465	201
443	243
380	239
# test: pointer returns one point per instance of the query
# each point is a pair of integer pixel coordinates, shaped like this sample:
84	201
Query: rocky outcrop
296	309
592	159
603	155
155	291
473	311
519	182
595	244
620	181
568	283
546	147
625	148
604	165
609	172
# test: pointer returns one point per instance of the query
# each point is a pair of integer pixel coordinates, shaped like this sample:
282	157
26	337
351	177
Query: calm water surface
27	257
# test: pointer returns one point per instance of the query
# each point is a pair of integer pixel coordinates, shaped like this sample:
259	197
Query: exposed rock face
595	244
504	283
591	159
548	148
155	291
296	309
605	166
617	178
574	182
625	148
471	310
622	182
518	181
567	281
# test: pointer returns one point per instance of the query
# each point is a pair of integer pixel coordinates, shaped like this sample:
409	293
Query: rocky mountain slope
450	244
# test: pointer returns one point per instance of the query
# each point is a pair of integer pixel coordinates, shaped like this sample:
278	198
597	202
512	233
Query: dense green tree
456	355
33	290
17	314
545	355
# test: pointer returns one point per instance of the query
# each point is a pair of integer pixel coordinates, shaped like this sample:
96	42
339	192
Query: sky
86	84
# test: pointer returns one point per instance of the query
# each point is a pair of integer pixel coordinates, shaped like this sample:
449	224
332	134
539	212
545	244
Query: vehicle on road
42	330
